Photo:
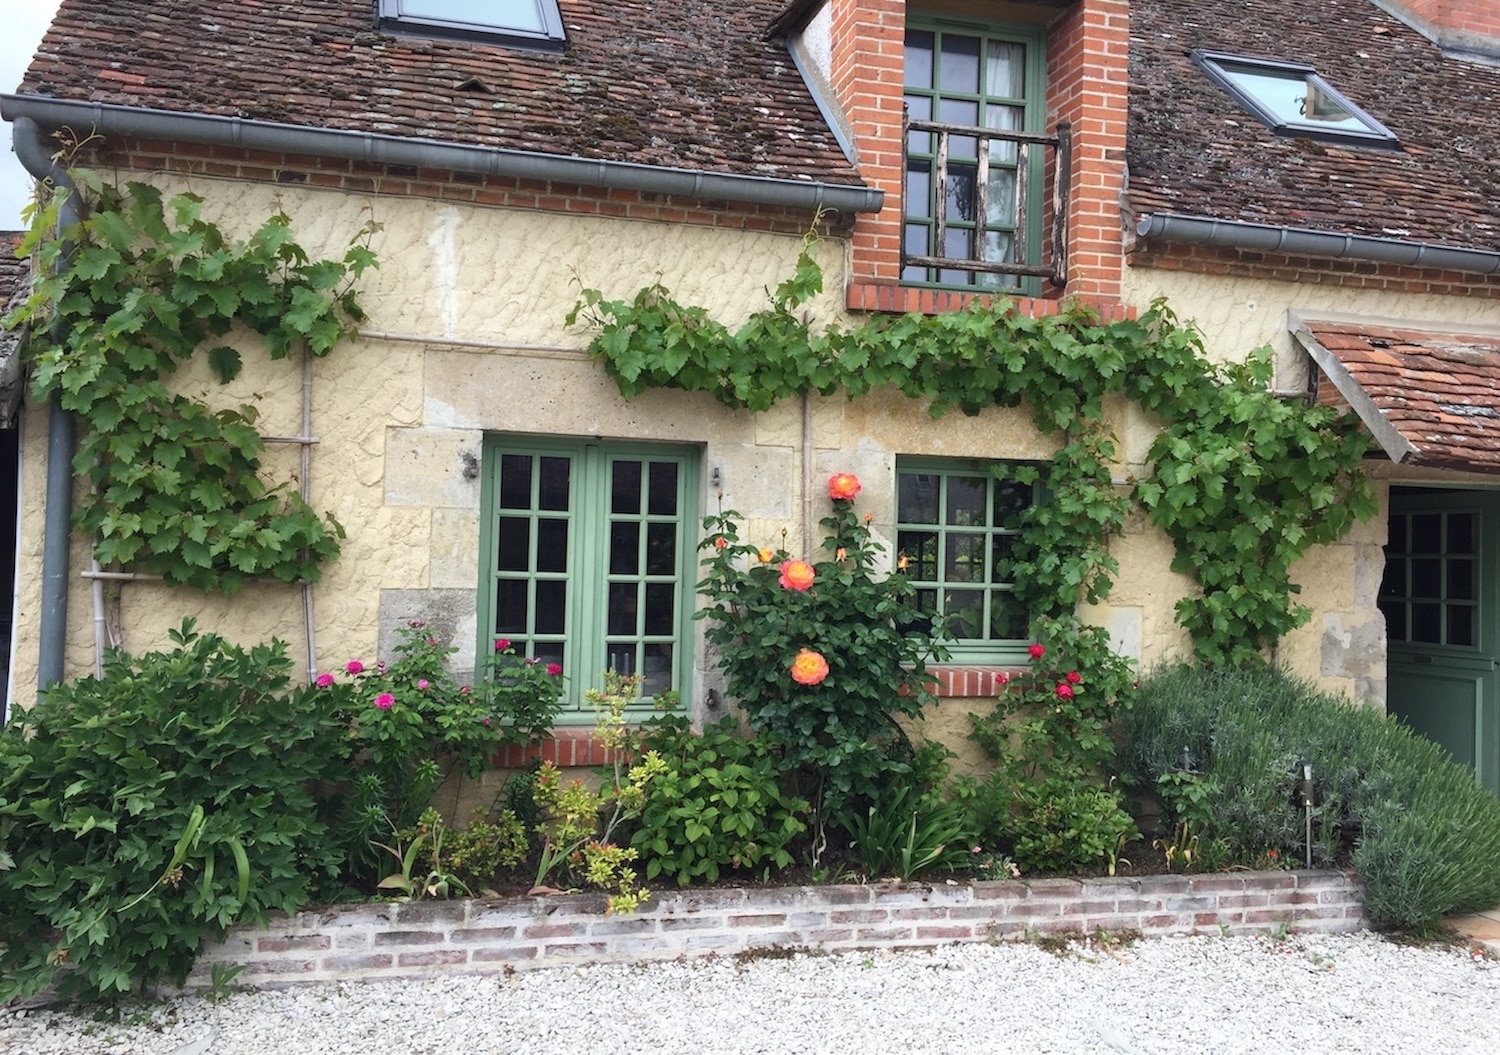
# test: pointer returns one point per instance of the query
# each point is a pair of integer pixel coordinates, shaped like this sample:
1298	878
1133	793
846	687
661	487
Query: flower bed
369	941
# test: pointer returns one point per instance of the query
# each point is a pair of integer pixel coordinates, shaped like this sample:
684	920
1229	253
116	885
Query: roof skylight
516	23
1293	100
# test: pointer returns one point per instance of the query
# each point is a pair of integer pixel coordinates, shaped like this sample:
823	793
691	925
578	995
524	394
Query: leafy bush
146	811
822	657
1052	824
904	834
717	804
1425	836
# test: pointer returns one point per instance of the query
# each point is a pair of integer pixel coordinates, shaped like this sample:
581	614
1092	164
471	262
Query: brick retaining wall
370	941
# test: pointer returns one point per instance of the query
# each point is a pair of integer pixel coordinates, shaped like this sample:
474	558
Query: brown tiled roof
689	84
1194	150
1430	397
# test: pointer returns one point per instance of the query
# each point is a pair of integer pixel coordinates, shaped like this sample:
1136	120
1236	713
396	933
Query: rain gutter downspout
1234	234
377	148
34	154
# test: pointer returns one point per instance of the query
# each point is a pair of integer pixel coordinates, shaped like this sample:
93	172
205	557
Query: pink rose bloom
384	701
1064	691
464	691
1037	651
1002	677
554	669
502	644
354	666
324	680
422	684
843	487
796	575
1074	677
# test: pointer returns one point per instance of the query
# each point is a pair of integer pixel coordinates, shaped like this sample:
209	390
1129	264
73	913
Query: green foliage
175	488
1425	836
412	725
853	636
1243	482
717	804
904	834
483	847
148	810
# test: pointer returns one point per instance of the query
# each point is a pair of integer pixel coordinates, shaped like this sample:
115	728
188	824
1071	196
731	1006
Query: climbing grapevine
1243	481
174	487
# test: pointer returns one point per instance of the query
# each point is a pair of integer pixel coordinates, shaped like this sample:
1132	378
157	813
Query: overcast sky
22	23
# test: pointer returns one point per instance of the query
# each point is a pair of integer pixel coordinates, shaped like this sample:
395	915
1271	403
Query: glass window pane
551	545
1460	624
1011	500
1460	533
920	550
548	652
967	497
625	548
958	65
917	498
555	473
1426	577
1007	617
513	551
1000	202
959	196
1461	575
510	607
662	500
661	608
622	609
1425	623
625	488
620	657
1397	543
999	247
964	559
661	549
1426	533
497	14
918	59
551	606
919	108
916	240
1005	71
963	612
515	481
918	198
1002	552
657	667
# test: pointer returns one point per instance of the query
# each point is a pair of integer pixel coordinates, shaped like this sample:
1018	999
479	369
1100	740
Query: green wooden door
1439	597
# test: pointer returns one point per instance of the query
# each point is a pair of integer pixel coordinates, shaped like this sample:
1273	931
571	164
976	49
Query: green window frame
1430	592
587	553
956	525
984	76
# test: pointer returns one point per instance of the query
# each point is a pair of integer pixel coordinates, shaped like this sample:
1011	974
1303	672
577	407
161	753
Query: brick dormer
1463	28
1077	58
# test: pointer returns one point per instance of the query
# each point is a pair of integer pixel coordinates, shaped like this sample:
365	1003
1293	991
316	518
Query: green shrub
1422	834
1055	824
716	804
903	834
146	811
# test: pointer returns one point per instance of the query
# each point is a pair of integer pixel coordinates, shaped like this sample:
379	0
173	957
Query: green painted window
978	77
1430	593
588	558
956	524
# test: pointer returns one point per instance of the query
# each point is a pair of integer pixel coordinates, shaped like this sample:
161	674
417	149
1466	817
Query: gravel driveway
1194	995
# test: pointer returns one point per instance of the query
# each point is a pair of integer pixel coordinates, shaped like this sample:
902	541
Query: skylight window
516	23
1293	100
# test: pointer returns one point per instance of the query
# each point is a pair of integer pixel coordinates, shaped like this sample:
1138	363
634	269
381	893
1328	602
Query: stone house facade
612	145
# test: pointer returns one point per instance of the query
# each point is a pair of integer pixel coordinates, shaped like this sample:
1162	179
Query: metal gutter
1234	234
35	153
109	119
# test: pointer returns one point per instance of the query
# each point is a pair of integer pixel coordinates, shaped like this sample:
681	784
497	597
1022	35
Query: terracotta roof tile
1431	397
1194	150
692	84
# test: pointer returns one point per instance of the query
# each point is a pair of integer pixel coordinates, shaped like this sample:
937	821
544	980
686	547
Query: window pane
918	201
1005	71
496	14
624	548
1397	543
1002	552
661	609
1461	580
917	498
1460	533
959	195
1426	533
918	59
1007	617
551	606
620	657
625	490
958	68
964	611
965	558
1424	623
1460	624
663	498
966	501
920	550
510	607
622	608
1426	577
515	481
555	475
549	652
919	108
999	247
1011	500
661	549
1000	202
551	545
657	667
513	553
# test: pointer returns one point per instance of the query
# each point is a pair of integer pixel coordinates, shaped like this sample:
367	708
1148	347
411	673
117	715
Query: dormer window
1293	100
534	24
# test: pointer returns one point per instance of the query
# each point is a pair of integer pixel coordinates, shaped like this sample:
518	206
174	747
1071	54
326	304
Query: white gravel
1324	994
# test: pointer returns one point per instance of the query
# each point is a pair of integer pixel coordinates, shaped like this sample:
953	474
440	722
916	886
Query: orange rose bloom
843	486
766	556
809	667
720	542
796	574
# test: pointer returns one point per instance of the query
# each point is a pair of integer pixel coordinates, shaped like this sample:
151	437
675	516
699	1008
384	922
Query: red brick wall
1468	18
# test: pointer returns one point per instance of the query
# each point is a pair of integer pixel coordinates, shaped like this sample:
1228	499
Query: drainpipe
34	153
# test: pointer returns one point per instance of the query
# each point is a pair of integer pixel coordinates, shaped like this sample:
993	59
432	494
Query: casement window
956	525
534	24
975	156
1430	593
1292	100
588	555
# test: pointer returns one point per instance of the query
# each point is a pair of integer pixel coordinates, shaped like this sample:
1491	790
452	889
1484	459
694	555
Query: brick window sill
885	297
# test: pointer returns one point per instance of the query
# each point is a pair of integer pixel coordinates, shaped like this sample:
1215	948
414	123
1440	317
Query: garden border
397	940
